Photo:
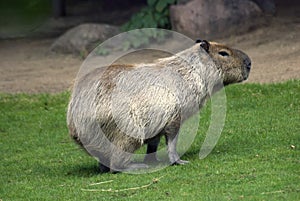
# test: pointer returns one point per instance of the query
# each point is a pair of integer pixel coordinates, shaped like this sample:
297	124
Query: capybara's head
235	65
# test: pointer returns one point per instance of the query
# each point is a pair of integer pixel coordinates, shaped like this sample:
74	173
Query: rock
83	38
267	6
210	19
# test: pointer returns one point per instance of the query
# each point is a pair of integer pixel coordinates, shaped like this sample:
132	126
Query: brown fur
90	116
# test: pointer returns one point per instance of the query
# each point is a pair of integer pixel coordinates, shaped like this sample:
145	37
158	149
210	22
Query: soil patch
27	65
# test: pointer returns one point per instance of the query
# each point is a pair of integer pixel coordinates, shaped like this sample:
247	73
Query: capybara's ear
205	45
198	40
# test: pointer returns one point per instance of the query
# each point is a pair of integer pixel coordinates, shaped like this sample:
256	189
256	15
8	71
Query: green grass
253	159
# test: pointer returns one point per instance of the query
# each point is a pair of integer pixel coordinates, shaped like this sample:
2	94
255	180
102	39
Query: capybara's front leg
172	132
172	152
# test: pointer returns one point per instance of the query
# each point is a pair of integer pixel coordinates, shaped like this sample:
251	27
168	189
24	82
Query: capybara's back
114	110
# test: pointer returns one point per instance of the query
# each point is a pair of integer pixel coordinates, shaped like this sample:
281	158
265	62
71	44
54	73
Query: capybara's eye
224	53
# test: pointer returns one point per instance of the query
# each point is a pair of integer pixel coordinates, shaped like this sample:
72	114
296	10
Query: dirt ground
27	65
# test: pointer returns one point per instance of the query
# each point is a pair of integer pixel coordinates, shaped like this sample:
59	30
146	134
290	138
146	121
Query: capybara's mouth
245	76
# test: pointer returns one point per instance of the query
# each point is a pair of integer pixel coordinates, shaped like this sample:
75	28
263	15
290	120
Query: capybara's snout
247	63
247	66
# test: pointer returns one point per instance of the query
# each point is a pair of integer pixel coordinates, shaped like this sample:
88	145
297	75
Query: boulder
210	19
267	6
84	38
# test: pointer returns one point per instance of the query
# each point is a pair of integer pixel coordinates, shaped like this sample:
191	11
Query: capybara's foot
180	162
175	159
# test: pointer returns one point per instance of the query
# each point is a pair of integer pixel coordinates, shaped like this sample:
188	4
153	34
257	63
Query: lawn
256	158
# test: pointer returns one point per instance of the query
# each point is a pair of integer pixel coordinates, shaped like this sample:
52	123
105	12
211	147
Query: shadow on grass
82	170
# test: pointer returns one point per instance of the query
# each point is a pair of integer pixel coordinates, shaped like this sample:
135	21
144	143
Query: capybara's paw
180	162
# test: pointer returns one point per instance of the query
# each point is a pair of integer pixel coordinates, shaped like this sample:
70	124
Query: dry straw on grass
155	180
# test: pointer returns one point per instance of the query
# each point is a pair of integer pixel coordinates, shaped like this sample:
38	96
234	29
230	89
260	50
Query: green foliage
135	39
253	160
155	15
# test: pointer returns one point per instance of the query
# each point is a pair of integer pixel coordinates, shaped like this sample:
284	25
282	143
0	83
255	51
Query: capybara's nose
249	66
247	63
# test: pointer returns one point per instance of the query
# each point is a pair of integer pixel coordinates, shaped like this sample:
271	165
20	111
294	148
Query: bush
155	15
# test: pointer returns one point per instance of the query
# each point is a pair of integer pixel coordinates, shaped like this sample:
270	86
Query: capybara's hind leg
120	161
103	168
